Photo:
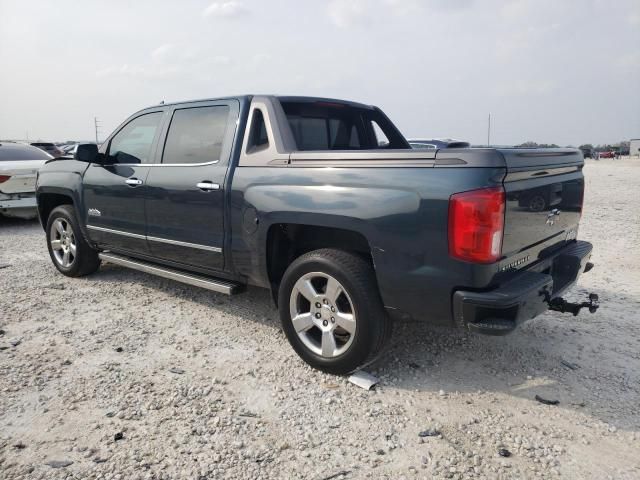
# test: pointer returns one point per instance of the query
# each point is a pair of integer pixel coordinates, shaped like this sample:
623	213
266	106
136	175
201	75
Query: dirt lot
200	385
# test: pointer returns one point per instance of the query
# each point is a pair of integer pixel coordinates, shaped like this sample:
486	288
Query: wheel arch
286	241
49	200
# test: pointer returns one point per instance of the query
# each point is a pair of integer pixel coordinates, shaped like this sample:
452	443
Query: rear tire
68	249
537	203
331	311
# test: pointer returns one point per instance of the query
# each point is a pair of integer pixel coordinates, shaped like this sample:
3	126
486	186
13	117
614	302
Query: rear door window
196	135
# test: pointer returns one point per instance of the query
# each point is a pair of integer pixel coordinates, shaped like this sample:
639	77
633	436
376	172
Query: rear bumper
19	206
19	201
499	311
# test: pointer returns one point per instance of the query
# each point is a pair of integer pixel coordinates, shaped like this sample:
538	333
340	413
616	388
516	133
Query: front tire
331	311
69	251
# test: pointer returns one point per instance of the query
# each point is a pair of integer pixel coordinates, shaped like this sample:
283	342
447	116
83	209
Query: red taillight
4	178
476	225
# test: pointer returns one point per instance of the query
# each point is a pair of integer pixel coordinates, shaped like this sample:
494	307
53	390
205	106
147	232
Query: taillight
476	225
4	178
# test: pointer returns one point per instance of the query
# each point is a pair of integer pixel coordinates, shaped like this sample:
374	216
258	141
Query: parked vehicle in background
607	154
297	195
50	148
70	148
435	144
586	152
19	165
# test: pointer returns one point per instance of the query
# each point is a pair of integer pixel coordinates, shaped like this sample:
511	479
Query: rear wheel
537	203
69	251
331	311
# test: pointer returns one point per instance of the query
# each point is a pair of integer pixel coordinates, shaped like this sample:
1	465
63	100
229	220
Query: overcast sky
562	71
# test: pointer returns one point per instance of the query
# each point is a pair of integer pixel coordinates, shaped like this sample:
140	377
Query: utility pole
96	124
489	131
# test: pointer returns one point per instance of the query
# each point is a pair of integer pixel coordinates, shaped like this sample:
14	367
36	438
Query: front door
115	192
185	205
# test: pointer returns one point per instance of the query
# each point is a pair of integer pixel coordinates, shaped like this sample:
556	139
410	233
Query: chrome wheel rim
322	314
63	242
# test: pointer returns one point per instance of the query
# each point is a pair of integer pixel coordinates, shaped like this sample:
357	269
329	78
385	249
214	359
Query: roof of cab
282	98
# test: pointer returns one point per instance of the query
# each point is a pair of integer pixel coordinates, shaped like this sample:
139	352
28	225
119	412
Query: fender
62	177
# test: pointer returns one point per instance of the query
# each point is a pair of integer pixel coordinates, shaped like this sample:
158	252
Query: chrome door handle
134	182
208	186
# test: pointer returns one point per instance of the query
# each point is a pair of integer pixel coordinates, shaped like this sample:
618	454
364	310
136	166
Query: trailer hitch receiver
559	304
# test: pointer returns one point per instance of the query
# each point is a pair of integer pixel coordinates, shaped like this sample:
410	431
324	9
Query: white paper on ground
363	379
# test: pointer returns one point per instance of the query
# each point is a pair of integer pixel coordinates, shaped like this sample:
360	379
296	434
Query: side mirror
87	152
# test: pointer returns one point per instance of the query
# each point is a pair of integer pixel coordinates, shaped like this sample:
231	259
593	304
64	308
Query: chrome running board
220	286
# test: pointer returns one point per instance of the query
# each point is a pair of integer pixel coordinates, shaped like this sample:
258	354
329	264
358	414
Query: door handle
133	182
208	186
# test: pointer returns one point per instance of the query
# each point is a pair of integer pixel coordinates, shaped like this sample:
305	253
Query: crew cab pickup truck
324	203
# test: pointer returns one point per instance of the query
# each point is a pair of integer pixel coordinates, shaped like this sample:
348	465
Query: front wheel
69	251
331	311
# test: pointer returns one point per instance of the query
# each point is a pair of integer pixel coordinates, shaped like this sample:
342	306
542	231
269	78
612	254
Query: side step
220	286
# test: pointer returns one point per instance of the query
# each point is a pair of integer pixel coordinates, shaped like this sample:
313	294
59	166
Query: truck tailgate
544	192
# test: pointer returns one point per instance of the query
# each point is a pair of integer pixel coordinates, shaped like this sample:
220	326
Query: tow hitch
561	305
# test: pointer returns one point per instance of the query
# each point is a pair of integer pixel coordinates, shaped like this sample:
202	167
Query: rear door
115	192
185	206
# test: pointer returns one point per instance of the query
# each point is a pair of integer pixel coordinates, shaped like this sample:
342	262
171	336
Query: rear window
21	152
335	126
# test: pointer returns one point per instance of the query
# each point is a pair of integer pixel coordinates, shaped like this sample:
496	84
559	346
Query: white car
19	165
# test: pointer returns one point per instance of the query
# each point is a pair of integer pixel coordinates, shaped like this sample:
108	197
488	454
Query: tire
351	311
537	203
68	249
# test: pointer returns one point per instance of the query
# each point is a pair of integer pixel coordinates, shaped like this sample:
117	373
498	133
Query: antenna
96	124
489	131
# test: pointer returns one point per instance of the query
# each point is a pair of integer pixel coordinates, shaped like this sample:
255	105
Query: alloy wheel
322	314
63	242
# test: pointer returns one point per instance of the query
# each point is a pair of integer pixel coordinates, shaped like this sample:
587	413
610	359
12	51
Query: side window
196	135
133	143
258	138
381	138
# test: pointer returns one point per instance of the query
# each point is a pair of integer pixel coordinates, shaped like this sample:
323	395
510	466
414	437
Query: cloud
629	61
139	71
162	51
526	87
347	13
229	8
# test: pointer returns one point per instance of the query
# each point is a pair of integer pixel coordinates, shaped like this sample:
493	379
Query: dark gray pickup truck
324	203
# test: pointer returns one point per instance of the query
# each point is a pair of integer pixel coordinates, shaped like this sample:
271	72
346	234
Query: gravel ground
122	375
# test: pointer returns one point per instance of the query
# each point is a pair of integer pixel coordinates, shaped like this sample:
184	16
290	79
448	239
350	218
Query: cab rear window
336	126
